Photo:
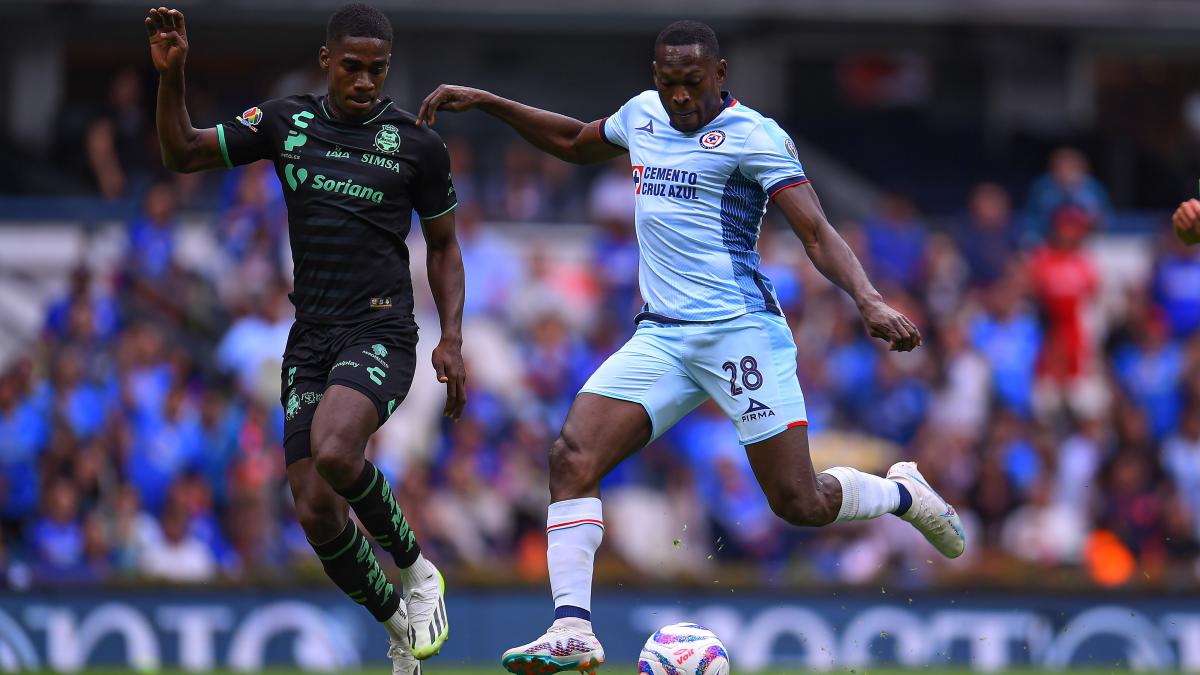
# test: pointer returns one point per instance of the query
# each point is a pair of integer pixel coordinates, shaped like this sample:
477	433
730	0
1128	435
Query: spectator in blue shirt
1068	182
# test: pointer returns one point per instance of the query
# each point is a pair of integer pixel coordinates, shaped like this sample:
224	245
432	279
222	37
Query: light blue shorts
746	364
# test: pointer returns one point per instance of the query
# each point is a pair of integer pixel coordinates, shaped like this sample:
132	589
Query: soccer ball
683	649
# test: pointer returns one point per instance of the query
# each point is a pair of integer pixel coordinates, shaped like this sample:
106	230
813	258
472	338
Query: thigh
748	366
302	384
378	362
783	466
648	371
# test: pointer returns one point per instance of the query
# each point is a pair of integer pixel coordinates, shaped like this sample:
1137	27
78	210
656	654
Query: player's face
689	84
357	68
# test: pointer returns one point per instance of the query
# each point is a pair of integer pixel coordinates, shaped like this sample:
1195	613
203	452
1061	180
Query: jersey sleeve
246	138
433	191
770	159
614	128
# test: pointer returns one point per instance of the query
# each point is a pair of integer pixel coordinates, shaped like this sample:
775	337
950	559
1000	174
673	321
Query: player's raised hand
448	363
1187	222
168	39
449	97
887	324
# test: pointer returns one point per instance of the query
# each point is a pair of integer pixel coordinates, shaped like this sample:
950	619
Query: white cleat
568	645
929	513
428	624
403	662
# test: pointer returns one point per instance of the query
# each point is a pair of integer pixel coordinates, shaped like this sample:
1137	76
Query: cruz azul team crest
388	139
712	139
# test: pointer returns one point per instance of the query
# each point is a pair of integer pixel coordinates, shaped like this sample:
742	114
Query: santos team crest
388	139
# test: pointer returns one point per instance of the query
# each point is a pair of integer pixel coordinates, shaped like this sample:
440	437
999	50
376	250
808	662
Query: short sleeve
433	193
614	128
770	159
245	138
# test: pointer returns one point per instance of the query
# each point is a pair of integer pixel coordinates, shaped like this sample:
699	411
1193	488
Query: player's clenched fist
168	39
1187	222
449	97
887	324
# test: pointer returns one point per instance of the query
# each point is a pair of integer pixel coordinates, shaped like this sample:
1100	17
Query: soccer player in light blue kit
705	167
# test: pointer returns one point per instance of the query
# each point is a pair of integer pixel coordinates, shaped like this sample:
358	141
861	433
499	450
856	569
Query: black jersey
350	189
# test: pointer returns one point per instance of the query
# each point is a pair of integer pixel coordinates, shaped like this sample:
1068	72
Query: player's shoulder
747	123
646	100
288	105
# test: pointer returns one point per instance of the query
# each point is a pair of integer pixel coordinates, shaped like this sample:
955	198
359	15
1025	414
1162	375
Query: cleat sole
529	664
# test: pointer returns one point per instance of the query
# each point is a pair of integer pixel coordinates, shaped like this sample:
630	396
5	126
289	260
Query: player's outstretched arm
564	137
834	259
184	148
446	281
1187	222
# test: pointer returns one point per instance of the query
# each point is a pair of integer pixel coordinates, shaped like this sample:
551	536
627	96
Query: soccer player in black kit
354	168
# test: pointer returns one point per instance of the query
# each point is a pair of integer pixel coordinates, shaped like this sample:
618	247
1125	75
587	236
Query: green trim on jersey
224	150
440	214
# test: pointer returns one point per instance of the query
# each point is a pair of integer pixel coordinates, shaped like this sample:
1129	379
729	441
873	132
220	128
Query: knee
320	518
573	469
800	508
336	458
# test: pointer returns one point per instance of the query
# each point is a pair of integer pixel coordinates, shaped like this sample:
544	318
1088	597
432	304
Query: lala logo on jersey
251	117
712	139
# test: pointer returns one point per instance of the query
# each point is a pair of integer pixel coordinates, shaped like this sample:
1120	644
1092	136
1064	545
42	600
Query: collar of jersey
727	102
384	104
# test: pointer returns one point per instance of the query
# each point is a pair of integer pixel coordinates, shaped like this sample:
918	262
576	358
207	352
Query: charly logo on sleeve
791	148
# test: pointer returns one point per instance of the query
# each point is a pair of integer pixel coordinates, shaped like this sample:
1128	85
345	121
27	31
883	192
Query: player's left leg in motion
344	420
748	365
803	497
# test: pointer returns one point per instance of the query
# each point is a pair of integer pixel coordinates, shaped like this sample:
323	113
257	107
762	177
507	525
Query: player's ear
323	58
722	71
654	72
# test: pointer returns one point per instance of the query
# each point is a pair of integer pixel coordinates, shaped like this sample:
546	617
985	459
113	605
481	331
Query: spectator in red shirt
1064	282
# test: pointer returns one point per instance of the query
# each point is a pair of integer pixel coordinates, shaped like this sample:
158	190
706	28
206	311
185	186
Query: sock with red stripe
574	529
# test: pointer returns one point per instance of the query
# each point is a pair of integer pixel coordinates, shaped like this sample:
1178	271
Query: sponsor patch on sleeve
251	118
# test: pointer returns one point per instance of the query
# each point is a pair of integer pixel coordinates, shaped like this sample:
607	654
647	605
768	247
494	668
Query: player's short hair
358	20
682	33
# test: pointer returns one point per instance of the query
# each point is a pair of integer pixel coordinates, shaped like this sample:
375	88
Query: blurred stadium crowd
1056	404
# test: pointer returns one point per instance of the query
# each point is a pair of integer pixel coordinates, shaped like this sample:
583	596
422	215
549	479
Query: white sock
419	571
864	496
574	529
397	625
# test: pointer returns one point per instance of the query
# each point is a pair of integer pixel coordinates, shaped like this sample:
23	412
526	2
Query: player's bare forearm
830	254
184	148
564	137
446	278
832	257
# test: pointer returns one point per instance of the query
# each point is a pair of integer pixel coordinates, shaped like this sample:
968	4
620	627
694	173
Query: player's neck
336	112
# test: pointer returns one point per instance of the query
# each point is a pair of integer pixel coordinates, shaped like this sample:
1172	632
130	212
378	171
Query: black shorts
375	357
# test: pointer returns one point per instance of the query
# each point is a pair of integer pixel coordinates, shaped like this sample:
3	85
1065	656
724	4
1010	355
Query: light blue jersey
700	203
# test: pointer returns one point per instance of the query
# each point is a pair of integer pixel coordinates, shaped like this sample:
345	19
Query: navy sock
571	611
905	500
